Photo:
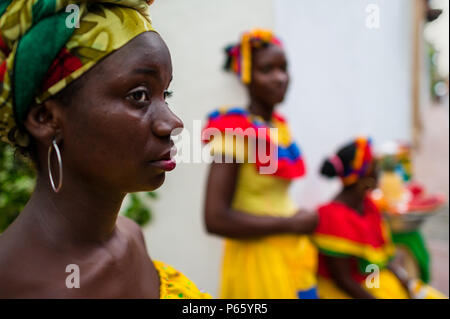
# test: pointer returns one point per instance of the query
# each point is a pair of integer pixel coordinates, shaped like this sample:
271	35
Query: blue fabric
291	152
234	111
308	294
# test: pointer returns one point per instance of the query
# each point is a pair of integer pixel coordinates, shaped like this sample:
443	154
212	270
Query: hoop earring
58	156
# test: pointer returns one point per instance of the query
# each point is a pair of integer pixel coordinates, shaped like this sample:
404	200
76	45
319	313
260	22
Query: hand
303	222
402	275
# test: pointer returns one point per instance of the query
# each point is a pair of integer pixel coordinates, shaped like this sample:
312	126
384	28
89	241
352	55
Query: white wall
346	80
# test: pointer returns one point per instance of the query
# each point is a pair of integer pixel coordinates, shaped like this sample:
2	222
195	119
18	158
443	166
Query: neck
262	109
79	214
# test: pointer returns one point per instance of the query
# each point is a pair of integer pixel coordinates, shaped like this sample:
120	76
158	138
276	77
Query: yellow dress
271	267
389	288
174	285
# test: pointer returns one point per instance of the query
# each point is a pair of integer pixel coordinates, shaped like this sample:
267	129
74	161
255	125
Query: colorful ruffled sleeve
230	132
175	285
220	135
342	232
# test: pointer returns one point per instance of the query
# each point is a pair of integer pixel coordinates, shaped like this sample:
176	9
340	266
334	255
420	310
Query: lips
276	96
280	89
166	162
165	165
277	90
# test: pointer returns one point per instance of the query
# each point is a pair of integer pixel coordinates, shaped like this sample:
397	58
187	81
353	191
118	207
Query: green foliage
137	210
17	179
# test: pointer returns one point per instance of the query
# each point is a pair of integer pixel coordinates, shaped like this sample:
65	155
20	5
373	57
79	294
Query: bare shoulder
134	232
12	262
3	256
8	249
131	229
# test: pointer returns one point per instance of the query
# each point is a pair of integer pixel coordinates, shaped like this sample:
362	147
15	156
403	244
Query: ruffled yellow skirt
389	288
268	268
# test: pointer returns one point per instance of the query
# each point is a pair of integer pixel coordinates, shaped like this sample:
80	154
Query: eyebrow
152	72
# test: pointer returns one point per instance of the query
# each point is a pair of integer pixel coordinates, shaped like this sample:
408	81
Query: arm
221	220
340	272
402	275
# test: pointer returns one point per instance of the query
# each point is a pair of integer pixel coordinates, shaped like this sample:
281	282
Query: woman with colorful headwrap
88	104
355	248
247	199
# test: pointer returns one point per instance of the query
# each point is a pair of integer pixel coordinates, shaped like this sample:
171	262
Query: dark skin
268	88
114	139
340	268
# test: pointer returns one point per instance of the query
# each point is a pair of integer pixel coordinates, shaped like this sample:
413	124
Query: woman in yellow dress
247	199
355	247
87	103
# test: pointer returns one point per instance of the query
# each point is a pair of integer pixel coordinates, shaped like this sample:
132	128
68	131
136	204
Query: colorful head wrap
42	51
240	55
358	166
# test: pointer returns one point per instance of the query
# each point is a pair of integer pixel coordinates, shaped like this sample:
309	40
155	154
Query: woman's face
116	132
270	78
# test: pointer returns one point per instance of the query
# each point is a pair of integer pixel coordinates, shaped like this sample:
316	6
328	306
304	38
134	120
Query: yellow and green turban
42	49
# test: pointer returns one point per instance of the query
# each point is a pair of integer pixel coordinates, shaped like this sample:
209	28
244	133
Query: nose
166	122
281	77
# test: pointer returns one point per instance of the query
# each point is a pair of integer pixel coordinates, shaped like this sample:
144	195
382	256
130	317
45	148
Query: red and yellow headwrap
42	51
359	165
240	55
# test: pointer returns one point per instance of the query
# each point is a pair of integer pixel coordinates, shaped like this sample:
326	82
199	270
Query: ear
43	122
367	183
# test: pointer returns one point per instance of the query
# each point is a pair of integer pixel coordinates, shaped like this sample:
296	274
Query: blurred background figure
357	258
373	67
406	204
248	205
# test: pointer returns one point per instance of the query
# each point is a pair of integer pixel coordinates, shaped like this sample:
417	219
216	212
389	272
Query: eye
168	94
266	69
139	95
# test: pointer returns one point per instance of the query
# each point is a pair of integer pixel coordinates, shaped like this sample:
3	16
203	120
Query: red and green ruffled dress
366	240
